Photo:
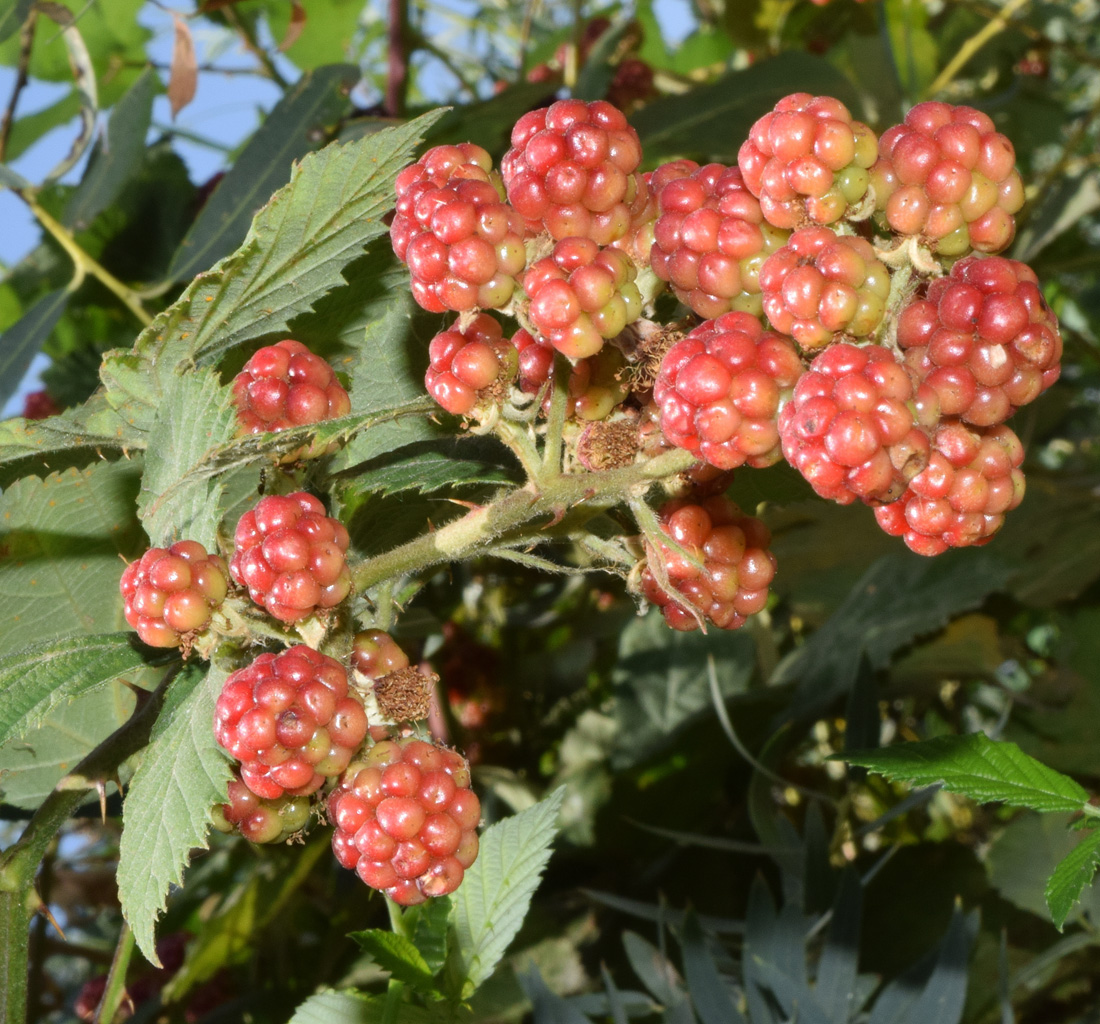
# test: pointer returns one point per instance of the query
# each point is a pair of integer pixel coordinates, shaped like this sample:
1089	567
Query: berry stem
555	423
115	991
477	530
516	437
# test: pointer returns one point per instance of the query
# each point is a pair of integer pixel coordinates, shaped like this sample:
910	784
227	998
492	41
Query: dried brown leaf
183	79
294	26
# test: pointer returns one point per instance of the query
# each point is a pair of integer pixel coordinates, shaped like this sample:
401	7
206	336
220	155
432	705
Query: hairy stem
480	528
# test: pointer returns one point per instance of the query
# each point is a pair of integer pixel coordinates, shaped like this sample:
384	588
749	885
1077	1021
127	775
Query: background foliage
712	863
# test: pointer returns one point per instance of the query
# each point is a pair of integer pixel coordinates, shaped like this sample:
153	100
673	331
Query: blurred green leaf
22	341
29	128
1069	878
711	998
12	15
116	157
327	36
712	121
353	1007
914	49
292	129
548	1007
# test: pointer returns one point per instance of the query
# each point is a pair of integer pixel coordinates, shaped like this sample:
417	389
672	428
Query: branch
26	41
974	44
397	57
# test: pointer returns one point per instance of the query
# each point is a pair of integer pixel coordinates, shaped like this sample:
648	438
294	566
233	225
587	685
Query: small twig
26	41
529	11
397	57
85	264
252	45
973	44
115	992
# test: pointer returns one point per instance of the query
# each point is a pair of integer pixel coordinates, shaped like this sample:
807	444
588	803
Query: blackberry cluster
845	310
286	385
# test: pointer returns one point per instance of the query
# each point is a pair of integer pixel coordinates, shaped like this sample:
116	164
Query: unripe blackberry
972	479
734	565
469	365
638	241
39	405
291	556
406	820
710	239
260	820
807	161
374	653
595	385
851	428
983	338
572	170
289	720
462	244
581	295
171	592
720	388
946	175
821	285
285	385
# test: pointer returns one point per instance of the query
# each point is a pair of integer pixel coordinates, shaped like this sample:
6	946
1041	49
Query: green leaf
328	34
977	767
489	123
37	678
492	901
835	988
437	465
399	956
25	338
29	128
944	995
1068	880
288	133
117	158
900	598
353	1008
712	121
12	15
914	49
180	496
166	816
661	682
295	252
549	1008
62	538
427	926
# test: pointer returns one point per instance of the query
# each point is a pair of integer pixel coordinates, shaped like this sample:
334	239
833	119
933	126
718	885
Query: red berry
946	175
983	338
581	295
285	385
38	405
270	719
821	285
290	556
720	388
723	567
374	654
572	170
973	478
710	238
851	429
170	592
807	161
595	385
406	820
466	364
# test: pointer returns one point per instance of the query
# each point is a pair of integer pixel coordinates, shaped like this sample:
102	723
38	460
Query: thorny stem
479	529
18	864
83	263
974	44
26	40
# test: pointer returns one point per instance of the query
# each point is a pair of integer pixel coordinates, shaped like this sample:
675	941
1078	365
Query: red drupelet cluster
462	244
580	295
285	385
945	174
406	820
821	285
972	479
807	161
983	338
289	720
466	362
720	388
851	429
291	556
260	820
172	592
710	238
723	568
573	171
